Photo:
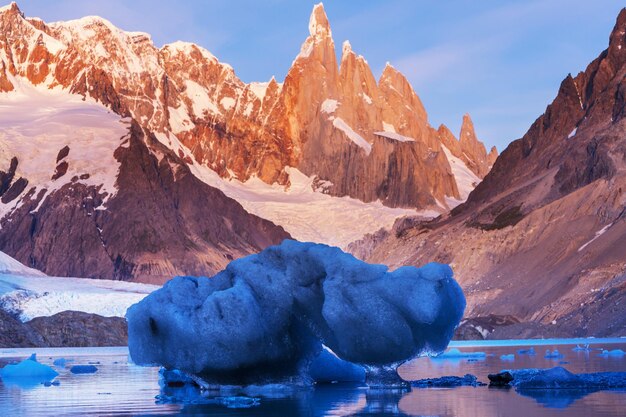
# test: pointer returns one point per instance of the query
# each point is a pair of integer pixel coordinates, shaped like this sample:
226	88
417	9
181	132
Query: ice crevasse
264	318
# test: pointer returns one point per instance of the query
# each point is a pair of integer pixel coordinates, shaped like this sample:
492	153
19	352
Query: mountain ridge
228	126
542	238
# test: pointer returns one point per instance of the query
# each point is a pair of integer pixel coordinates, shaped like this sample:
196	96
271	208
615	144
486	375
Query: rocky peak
473	148
468	148
358	84
492	156
319	48
617	39
11	9
396	88
318	22
450	141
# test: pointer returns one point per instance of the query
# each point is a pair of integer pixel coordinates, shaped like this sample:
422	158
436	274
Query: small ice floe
560	378
455	353
29	368
555	354
509	357
448	382
530	351
583	348
83	369
28	373
557	387
61	362
613	353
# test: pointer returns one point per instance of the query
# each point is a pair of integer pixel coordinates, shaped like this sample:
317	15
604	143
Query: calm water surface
122	389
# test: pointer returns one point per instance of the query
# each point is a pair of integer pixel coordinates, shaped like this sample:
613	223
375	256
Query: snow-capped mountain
130	156
543	237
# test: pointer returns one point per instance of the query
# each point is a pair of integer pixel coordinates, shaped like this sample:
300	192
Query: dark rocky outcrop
79	329
14	333
65	329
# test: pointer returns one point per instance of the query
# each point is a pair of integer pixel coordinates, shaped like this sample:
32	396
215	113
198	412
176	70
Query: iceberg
509	357
28	373
265	317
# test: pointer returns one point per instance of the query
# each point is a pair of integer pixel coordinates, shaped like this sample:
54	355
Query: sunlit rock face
264	318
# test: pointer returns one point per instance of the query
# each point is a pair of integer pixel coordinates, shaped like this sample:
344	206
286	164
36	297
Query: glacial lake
120	388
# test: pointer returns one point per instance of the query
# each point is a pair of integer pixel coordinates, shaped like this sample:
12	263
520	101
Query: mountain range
145	163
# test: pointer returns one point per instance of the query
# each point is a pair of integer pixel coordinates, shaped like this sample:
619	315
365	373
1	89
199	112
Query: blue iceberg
28	373
264	318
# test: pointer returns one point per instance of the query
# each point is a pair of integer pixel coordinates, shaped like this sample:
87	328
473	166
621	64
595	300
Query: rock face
542	238
13	333
78	329
162	221
65	329
367	140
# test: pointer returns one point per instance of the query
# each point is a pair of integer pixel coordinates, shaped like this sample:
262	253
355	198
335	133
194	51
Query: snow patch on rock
37	122
466	180
352	135
330	106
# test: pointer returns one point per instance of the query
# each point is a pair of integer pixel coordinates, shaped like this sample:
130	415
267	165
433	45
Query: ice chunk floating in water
30	369
455	353
265	317
83	369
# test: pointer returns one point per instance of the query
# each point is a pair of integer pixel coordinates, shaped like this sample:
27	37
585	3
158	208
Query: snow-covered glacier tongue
265	317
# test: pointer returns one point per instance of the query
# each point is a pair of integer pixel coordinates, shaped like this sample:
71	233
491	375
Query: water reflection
336	400
122	389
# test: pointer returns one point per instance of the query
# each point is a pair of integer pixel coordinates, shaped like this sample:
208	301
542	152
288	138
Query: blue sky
499	60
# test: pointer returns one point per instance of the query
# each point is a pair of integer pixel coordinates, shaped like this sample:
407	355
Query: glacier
264	318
